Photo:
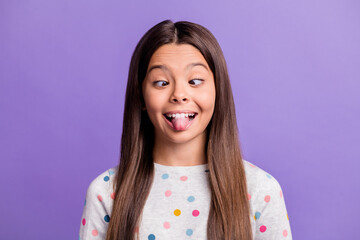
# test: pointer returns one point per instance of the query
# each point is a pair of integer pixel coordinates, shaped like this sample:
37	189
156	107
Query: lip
180	111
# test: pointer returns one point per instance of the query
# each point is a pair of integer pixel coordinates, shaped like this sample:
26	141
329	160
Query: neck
189	153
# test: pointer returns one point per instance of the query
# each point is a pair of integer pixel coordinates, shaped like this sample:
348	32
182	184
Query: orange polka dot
267	198
99	197
94	232
262	228
177	212
287	216
112	195
285	233
168	193
166	225
249	196
183	178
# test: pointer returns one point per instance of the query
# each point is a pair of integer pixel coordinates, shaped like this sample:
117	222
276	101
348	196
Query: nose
179	99
179	94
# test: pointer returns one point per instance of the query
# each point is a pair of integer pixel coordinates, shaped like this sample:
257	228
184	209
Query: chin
181	138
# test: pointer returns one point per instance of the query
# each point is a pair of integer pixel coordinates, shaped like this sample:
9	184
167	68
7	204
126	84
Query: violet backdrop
295	72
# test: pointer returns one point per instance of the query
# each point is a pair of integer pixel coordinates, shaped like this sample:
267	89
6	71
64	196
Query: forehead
177	57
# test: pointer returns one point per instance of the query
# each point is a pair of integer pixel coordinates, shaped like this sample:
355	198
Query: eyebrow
166	69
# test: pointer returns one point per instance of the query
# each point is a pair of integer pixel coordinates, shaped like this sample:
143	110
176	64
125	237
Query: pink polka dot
166	225
251	165
281	195
249	196
195	213
168	193
99	197
183	178
262	228
112	195
285	233
267	198
83	221
94	232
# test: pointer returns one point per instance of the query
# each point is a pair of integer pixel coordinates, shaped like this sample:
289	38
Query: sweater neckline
194	168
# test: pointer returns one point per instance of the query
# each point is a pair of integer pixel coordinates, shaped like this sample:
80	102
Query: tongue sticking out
180	123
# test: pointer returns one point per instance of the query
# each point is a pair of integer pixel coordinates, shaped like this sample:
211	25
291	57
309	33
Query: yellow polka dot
287	216
177	212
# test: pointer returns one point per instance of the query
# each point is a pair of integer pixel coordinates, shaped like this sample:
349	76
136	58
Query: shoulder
260	183
267	204
98	205
103	183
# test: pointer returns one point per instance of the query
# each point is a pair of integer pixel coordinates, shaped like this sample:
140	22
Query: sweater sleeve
269	218
97	208
270	214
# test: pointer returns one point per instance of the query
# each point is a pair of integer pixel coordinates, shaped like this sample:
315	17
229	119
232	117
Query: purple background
294	69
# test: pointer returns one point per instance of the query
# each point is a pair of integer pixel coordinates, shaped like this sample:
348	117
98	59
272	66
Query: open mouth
190	116
180	122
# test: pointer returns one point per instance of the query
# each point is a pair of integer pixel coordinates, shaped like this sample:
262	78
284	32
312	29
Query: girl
181	174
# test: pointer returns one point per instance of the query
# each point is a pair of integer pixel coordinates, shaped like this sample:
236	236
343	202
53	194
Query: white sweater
179	202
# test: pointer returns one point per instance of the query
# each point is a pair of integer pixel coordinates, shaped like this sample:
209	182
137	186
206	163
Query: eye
196	80
160	83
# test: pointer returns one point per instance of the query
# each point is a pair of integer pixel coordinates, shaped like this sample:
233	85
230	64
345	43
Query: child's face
179	80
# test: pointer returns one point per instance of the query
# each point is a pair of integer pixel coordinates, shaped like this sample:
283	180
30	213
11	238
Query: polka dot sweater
179	202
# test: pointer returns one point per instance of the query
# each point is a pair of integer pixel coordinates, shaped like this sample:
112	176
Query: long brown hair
229	216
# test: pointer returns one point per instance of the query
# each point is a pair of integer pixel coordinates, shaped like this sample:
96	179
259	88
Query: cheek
154	104
151	109
207	100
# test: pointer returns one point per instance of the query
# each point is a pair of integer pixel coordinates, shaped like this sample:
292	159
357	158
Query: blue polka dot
165	176
151	237
257	215
111	172
107	218
207	170
268	175
189	232
191	198
106	178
